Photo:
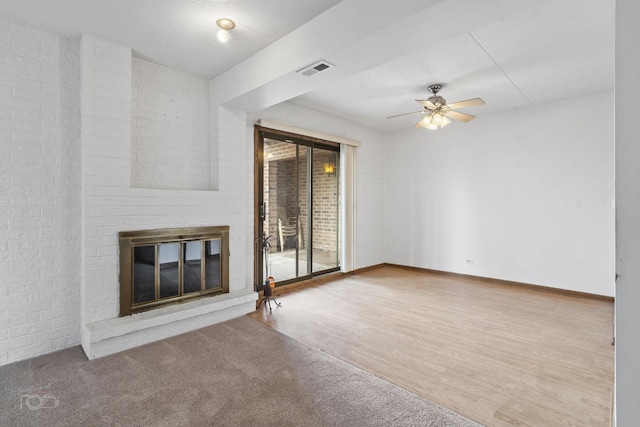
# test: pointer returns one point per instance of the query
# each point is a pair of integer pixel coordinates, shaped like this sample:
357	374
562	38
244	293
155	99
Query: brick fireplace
172	280
142	171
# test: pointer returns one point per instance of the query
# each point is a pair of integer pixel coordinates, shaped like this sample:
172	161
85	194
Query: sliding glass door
297	204
286	206
326	210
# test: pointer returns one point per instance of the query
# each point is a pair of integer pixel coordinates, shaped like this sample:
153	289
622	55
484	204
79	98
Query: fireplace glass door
171	265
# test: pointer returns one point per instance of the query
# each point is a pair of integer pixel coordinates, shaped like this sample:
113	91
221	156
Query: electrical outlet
468	261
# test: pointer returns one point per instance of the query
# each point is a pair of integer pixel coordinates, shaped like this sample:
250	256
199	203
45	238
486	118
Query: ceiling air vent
315	68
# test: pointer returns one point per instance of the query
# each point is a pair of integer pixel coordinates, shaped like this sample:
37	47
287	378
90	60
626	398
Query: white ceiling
535	56
511	53
180	34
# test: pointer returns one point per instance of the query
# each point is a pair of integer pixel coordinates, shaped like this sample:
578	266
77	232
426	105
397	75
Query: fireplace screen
171	265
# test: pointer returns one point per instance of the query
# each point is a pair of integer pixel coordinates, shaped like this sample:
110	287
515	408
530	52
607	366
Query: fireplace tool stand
268	295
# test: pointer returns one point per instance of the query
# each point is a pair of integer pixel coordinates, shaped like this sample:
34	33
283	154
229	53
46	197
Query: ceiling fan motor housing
437	100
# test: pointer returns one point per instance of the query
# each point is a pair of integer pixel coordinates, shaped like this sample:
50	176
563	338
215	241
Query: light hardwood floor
499	354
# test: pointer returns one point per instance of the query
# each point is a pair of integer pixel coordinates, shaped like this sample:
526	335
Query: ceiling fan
437	112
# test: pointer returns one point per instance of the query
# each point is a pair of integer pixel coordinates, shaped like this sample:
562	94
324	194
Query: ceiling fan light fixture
434	121
428	122
225	26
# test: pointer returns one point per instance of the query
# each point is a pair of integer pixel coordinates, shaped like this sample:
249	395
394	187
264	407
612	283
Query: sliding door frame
260	133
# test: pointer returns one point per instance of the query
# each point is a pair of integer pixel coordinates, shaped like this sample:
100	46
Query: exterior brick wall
275	153
326	206
285	189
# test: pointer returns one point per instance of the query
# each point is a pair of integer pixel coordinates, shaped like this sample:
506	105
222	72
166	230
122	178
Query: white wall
170	140
526	195
39	193
627	213
370	171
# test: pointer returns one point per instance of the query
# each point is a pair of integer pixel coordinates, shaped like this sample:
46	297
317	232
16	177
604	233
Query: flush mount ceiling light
225	26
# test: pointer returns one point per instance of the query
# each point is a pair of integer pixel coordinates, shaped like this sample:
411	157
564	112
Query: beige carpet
237	373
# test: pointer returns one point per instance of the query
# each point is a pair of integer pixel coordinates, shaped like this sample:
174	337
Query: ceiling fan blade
428	104
406	114
465	103
463	117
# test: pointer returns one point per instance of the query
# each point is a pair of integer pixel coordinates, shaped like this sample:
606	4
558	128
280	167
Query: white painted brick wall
64	197
106	129
39	193
111	204
170	129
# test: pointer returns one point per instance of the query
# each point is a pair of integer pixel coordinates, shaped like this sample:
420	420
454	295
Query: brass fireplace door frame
131	239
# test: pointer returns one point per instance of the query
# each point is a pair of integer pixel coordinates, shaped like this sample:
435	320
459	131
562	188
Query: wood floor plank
498	354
